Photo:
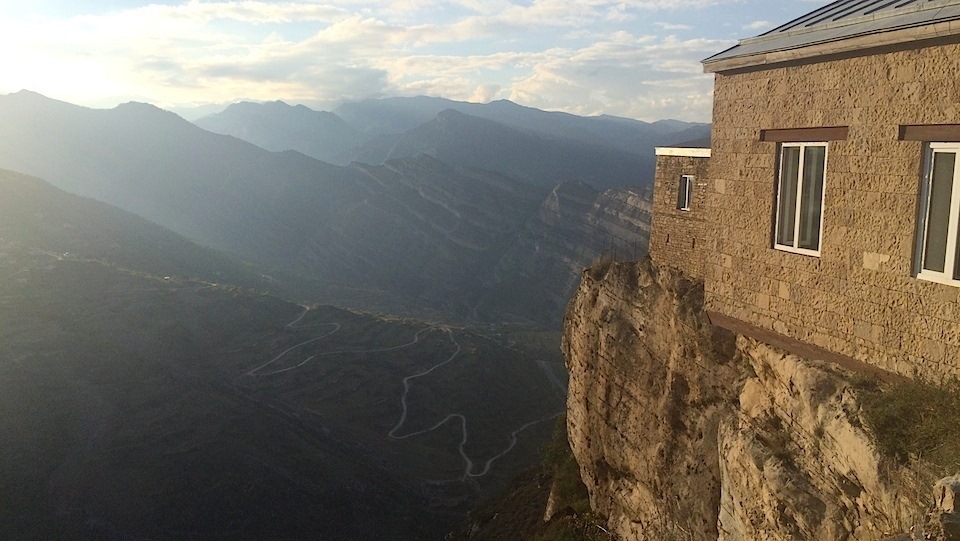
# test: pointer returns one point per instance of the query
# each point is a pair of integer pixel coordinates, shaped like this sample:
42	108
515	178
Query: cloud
647	79
670	26
247	11
759	25
484	93
580	56
678	4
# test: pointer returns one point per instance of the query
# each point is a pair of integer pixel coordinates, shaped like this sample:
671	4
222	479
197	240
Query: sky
631	58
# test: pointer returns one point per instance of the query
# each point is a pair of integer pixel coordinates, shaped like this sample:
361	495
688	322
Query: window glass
684	192
811	199
938	213
938	231
787	205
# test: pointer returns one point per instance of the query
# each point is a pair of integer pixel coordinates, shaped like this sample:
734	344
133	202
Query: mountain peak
28	100
451	113
25	95
138	105
24	92
147	110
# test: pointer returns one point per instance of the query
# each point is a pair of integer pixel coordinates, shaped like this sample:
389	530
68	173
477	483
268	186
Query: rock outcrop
798	462
649	385
686	431
946	499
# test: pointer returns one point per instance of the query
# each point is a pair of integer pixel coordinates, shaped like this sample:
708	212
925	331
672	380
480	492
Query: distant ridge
474	142
277	126
39	216
378	123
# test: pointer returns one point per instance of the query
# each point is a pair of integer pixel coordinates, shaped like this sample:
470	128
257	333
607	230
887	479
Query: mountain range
539	147
418	233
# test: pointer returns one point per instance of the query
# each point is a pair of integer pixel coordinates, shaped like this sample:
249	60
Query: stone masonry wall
858	298
677	236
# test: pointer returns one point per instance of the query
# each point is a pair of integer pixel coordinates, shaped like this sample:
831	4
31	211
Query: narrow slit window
800	197
940	215
685	192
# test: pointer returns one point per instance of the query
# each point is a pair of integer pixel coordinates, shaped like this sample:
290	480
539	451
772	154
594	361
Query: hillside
145	405
35	214
393	116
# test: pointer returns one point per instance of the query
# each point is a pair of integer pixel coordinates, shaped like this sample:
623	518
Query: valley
155	393
201	338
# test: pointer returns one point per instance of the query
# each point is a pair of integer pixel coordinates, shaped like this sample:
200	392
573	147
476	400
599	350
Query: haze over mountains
39	216
444	234
161	375
539	147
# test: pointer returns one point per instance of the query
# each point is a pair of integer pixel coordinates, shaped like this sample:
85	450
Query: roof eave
683	152
811	52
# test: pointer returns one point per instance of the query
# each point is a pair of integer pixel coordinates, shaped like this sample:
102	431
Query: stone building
832	198
679	199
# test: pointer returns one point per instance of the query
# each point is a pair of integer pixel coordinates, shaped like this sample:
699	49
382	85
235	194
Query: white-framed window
685	192
939	260
799	220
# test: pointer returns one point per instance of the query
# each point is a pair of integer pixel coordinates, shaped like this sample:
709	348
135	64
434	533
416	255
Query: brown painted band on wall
947	133
800	135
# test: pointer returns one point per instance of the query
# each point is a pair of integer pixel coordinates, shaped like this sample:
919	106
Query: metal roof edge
845	44
771	35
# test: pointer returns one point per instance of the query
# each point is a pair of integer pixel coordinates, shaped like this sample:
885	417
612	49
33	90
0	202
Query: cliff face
649	386
686	431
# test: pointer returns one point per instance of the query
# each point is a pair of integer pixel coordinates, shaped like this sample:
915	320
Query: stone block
874	261
784	290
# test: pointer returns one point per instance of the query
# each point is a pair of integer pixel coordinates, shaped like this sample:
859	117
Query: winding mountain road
469	464
293	325
406	391
253	371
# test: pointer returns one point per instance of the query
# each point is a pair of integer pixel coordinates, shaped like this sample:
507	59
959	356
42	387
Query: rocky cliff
686	431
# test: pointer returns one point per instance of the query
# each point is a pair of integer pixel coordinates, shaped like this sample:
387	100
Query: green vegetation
915	421
571	493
